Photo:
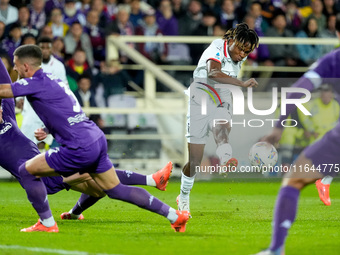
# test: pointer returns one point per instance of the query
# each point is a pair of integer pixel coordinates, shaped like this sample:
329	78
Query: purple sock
139	197
284	215
36	193
125	177
131	178
84	202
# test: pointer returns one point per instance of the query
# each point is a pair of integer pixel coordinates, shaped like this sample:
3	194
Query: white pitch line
47	250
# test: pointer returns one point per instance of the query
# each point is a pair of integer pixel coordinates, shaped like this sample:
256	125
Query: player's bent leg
221	137
187	182
38	166
106	180
92	193
287	200
77	178
90	188
224	150
195	158
159	179
37	195
188	175
109	182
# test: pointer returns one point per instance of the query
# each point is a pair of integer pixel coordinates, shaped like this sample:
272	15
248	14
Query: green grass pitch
229	217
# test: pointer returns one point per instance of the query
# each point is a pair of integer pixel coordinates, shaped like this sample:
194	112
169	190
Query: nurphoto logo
239	105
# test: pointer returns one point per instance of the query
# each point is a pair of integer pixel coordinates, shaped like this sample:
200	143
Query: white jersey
199	125
217	51
31	121
55	67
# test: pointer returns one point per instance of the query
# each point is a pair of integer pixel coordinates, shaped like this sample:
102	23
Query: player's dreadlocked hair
242	35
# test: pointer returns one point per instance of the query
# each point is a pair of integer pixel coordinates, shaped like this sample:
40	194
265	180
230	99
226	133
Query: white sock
74	216
150	181
327	180
224	152
172	216
186	185
49	222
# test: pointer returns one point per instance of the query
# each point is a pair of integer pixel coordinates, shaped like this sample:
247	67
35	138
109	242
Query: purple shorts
92	159
54	184
325	153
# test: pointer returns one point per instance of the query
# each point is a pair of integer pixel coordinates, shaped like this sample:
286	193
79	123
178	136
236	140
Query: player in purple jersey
92	192
83	145
317	160
12	155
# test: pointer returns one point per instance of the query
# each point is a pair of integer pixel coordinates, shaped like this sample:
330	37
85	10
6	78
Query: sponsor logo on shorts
54	150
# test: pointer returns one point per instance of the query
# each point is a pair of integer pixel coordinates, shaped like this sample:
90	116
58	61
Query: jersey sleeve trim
225	49
314	77
219	61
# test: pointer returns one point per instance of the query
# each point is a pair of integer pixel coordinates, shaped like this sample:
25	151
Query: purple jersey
16	148
58	108
328	66
324	152
325	70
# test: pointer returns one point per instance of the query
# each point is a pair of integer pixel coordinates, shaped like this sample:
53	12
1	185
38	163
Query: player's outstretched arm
6	91
215	73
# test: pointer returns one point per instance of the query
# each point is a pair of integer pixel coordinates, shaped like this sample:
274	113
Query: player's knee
98	194
29	167
22	171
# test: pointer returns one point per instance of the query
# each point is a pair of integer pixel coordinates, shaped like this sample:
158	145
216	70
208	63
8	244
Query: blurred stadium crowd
78	30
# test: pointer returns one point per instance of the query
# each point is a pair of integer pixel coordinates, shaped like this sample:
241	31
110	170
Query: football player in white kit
220	63
31	121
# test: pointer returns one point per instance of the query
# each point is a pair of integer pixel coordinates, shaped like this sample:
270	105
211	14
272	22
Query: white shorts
199	125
